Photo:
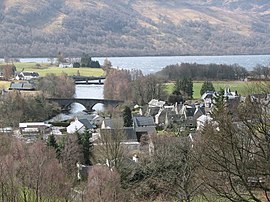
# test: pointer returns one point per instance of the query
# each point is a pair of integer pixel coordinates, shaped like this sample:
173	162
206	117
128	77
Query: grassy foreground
45	68
243	88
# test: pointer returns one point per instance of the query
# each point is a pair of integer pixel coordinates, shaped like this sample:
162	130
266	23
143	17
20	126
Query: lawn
243	88
45	68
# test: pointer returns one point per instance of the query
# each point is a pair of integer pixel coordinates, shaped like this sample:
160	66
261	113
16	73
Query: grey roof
130	133
21	86
86	123
113	123
144	121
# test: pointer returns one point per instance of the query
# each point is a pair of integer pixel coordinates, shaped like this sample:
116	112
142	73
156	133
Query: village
129	134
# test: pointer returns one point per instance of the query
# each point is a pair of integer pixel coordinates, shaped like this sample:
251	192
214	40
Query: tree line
203	72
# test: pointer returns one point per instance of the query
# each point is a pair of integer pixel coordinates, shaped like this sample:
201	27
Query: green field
46	68
243	88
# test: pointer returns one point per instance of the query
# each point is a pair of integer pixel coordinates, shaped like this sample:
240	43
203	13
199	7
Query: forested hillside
133	27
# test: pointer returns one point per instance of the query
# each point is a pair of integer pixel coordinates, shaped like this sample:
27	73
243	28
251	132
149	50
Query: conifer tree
86	145
127	117
51	142
207	86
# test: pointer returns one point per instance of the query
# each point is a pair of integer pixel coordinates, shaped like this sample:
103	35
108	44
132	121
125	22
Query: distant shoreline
127	56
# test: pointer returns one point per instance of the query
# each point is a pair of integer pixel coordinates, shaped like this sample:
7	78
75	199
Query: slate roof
86	123
130	134
144	121
113	123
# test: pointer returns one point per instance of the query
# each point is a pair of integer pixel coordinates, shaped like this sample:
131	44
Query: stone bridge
65	103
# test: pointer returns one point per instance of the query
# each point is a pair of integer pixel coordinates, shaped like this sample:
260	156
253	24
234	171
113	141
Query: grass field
46	68
243	88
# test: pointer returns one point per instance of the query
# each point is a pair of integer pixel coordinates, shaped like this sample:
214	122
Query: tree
117	85
234	155
185	86
86	145
107	64
20	108
71	153
60	58
146	88
8	71
170	174
86	61
103	185
109	149
76	65
51	142
128	122
207	86
175	97
57	86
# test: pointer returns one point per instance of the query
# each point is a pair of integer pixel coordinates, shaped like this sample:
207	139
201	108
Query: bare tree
109	149
169	174
103	185
235	154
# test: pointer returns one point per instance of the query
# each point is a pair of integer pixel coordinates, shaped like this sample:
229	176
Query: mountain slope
133	27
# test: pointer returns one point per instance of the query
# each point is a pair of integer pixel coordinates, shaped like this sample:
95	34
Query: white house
27	75
79	125
66	65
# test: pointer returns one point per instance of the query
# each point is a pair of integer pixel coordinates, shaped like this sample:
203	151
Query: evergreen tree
177	86
207	86
189	88
176	96
219	104
51	142
185	86
86	145
127	117
85	60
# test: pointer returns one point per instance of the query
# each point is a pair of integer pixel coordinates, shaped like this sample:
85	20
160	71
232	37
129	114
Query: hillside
133	27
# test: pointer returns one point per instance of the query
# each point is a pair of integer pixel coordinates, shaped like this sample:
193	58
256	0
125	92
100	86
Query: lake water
153	64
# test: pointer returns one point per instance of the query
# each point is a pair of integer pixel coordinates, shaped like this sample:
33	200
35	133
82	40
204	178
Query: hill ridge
32	28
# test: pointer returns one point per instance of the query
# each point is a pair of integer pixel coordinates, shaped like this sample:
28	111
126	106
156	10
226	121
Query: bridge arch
65	103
